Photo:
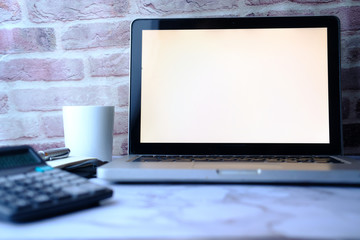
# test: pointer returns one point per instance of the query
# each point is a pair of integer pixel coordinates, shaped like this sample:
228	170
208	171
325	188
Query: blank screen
234	86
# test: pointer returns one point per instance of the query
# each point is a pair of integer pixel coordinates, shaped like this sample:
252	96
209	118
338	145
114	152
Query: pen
54	153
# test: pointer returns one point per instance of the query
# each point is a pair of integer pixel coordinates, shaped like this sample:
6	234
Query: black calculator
31	190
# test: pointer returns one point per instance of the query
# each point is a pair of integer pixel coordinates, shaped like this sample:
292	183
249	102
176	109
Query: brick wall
55	53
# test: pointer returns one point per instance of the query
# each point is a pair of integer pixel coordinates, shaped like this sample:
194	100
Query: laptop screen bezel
334	89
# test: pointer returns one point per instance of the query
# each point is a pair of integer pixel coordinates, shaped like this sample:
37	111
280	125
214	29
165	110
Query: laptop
235	100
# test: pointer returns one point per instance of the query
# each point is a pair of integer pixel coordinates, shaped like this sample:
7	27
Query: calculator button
8	199
2	193
20	204
93	188
33	174
2	180
63	184
27	181
79	181
52	182
59	174
43	169
8	185
18	189
70	178
76	191
38	186
60	196
16	177
50	190
30	193
42	199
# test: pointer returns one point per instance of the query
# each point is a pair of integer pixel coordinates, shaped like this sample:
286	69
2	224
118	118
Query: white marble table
160	211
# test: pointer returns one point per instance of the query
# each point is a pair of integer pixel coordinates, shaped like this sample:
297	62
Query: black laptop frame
334	90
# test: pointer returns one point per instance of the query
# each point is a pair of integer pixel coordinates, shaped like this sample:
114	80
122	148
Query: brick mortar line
39	85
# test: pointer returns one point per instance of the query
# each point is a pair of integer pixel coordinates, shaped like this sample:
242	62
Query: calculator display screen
20	158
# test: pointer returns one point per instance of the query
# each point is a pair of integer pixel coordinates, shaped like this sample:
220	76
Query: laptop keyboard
259	159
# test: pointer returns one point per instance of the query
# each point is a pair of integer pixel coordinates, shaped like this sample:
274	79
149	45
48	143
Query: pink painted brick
42	70
22	40
166	7
52	99
52	126
345	104
94	35
124	147
314	1
123	95
290	12
9	11
349	17
120	146
350	39
121	123
262	2
47	145
19	128
70	10
350	55
269	2
350	78
110	65
353	55
4	103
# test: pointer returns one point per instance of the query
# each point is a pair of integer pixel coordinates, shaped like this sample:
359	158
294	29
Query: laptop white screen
234	86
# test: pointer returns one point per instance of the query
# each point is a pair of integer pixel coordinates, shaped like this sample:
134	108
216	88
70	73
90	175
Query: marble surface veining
196	211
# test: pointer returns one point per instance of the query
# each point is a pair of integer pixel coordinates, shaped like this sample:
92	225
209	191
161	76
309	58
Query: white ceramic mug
88	131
